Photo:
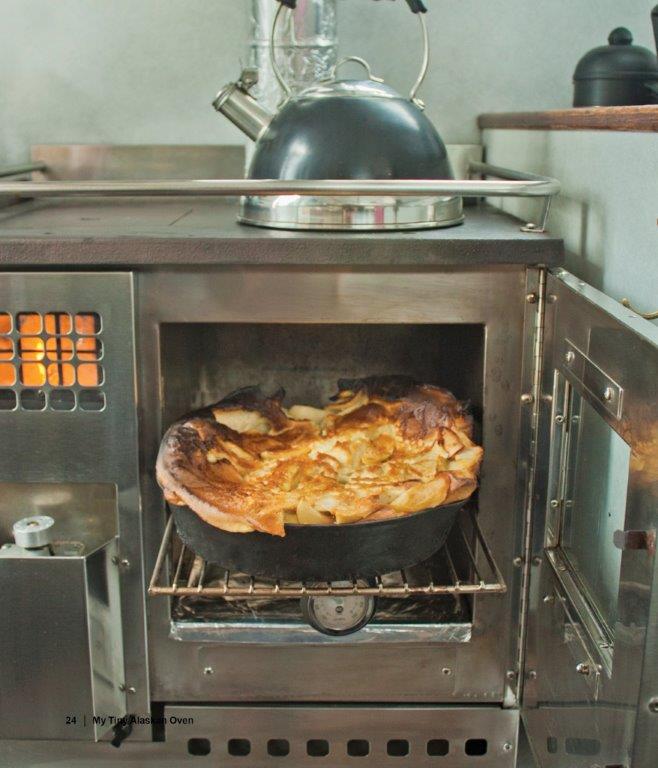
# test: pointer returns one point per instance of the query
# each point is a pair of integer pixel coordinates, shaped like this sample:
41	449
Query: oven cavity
432	601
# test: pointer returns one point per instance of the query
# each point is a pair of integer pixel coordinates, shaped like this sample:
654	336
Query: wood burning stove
516	616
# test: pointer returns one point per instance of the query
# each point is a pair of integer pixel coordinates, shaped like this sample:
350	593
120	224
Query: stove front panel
69	425
234	310
371	736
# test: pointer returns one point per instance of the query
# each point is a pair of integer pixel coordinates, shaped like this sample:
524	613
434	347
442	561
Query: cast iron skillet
322	552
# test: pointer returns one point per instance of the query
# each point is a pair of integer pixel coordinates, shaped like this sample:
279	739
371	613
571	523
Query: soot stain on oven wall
202	362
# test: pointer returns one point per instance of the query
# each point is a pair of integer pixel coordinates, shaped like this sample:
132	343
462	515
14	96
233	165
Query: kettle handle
416	6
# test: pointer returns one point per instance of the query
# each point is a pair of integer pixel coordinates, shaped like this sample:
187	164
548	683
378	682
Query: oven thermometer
339	614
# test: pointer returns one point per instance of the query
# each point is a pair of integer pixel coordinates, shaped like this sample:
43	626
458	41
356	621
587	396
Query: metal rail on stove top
189	570
509	183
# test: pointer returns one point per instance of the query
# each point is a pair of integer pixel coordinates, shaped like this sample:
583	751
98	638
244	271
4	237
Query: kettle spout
236	103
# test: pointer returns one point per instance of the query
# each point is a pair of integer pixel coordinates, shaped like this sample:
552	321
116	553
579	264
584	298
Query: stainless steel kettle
341	129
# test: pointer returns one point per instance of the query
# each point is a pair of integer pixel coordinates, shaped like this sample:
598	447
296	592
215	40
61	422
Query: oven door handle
596	645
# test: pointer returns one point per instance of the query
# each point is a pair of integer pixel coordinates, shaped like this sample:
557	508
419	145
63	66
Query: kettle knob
620	36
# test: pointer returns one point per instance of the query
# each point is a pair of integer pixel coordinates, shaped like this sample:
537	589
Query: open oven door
590	684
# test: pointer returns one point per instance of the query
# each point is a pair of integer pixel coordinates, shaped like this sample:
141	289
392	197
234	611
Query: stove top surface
184	231
143	232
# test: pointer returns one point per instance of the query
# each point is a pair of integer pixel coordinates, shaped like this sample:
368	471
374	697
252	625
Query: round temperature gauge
338	614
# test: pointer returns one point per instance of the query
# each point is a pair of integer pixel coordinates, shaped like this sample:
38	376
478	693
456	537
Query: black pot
618	74
322	552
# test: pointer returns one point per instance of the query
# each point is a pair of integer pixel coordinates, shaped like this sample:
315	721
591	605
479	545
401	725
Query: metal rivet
518	561
531	298
554	503
507	746
653	705
121	562
208	671
536	560
510	674
549	599
608	394
570	356
532	674
127	688
559	419
446	671
583	668
527	398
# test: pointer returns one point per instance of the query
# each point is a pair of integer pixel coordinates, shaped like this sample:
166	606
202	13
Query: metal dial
338	614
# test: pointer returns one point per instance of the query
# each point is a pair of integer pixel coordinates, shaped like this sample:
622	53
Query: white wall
607	211
488	55
123	71
145	71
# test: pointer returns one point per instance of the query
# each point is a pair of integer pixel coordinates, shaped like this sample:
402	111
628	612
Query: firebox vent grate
305	736
353	748
51	360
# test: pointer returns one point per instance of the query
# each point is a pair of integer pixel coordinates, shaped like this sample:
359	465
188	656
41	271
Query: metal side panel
60	641
306	736
72	424
591	681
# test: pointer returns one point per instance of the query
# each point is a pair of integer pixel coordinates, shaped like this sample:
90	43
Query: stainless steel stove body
172	308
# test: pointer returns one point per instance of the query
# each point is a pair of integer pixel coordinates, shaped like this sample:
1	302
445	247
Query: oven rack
188	574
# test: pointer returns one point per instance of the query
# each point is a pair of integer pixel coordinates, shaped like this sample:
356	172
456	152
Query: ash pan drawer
302	736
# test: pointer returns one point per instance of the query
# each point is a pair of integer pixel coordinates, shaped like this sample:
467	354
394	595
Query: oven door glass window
594	507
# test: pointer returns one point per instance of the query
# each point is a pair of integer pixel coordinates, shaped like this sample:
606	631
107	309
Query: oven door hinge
536	296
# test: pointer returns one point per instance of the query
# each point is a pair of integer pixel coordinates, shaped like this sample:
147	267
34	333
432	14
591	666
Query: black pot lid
620	59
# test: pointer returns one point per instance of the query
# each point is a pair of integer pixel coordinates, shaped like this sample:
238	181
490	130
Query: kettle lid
349	88
620	59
